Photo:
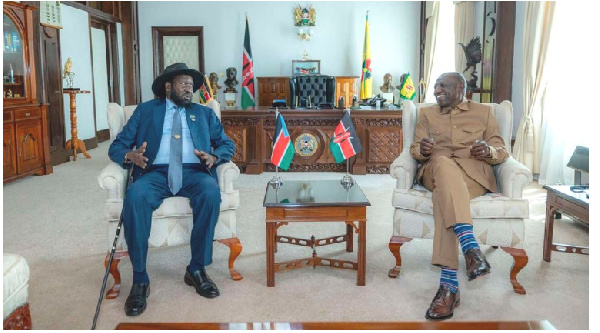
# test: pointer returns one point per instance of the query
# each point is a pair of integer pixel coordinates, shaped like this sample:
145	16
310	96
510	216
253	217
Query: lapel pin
192	117
176	136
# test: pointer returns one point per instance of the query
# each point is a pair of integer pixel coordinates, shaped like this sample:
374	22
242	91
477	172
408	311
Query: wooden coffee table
316	201
561	198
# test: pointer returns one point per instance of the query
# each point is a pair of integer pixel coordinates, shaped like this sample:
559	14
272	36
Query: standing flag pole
283	152
248	101
366	81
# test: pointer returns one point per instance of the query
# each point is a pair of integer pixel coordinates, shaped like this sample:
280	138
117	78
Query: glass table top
295	193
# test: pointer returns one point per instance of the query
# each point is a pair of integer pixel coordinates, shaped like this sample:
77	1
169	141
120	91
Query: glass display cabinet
25	129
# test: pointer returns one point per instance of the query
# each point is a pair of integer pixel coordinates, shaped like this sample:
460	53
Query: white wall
75	43
337	41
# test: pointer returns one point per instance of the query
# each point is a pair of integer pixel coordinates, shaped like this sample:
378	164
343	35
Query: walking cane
112	253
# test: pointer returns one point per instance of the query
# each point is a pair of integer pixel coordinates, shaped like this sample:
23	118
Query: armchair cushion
491	205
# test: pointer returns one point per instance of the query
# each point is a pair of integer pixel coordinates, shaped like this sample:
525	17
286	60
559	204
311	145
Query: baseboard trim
103	135
91	143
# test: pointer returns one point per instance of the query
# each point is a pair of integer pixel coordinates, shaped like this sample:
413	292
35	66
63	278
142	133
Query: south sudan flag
283	151
344	141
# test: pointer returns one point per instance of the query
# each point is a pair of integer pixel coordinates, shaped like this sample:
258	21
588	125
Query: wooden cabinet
273	87
278	87
345	86
25	135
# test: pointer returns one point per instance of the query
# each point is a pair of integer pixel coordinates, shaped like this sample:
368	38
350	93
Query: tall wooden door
53	89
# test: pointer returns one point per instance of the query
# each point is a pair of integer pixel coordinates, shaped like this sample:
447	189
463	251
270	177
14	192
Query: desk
574	204
379	131
422	325
316	201
75	143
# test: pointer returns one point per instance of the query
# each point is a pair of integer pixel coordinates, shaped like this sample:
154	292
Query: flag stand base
347	181
276	182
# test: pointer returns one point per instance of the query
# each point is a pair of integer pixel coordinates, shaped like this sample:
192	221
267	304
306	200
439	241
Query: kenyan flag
344	141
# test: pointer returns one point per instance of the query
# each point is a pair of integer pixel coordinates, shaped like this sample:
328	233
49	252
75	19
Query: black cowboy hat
179	68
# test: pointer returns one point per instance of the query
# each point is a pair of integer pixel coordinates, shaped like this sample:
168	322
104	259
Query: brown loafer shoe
477	265
443	304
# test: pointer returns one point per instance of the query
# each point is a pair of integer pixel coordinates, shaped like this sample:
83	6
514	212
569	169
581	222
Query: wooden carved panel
385	144
239	136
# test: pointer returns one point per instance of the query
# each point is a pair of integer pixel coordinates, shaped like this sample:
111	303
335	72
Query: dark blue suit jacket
146	125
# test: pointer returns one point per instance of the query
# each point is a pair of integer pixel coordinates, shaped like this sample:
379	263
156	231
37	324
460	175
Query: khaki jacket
454	131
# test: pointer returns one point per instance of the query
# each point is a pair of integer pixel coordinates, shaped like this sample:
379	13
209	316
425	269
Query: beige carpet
56	223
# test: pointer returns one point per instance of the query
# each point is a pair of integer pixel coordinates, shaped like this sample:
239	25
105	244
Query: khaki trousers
452	191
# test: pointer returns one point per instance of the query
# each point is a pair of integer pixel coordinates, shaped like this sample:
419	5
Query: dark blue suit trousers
148	192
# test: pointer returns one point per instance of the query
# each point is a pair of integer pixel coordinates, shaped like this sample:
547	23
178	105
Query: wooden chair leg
19	319
235	248
114	291
395	243
520	261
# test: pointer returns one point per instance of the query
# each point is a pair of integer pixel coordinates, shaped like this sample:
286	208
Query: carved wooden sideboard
278	87
379	131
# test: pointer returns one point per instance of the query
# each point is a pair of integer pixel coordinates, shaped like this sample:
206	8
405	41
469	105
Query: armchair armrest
227	173
512	178
404	169
114	179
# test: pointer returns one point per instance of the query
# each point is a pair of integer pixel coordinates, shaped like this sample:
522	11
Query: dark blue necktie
175	157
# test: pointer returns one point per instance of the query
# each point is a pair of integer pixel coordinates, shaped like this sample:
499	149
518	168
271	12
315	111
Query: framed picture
306	67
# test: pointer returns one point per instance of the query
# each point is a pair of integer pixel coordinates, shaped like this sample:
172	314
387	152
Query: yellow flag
407	90
366	82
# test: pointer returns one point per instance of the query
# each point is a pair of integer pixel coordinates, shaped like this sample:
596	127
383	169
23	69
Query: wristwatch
126	161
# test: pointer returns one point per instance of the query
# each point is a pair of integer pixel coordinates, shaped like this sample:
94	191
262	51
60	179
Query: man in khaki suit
456	143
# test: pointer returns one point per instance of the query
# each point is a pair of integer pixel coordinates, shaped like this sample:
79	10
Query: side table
561	198
75	143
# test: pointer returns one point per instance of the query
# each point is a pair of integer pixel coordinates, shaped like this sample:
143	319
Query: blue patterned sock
449	279
141	277
464	232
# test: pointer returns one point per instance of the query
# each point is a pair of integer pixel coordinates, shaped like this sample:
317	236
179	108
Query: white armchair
497	217
172	221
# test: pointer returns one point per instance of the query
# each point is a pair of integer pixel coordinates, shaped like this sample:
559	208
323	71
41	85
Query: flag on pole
247	73
344	141
407	89
283	151
366	82
206	93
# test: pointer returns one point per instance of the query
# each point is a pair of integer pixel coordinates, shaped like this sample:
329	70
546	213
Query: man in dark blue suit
178	146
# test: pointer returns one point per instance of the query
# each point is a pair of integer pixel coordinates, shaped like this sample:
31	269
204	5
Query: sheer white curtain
464	31
430	40
567	107
443	55
538	24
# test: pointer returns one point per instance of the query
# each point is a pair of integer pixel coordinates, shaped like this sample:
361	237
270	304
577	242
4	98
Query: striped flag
344	141
366	82
283	151
247	73
205	91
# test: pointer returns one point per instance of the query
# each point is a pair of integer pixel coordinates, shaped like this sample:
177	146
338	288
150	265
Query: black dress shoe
203	284
476	263
136	301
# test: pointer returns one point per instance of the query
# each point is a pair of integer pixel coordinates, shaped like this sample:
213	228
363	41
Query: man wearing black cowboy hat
178	146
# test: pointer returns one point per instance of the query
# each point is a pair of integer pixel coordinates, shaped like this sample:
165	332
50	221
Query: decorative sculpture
231	81
473	55
214	83
387	86
68	74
